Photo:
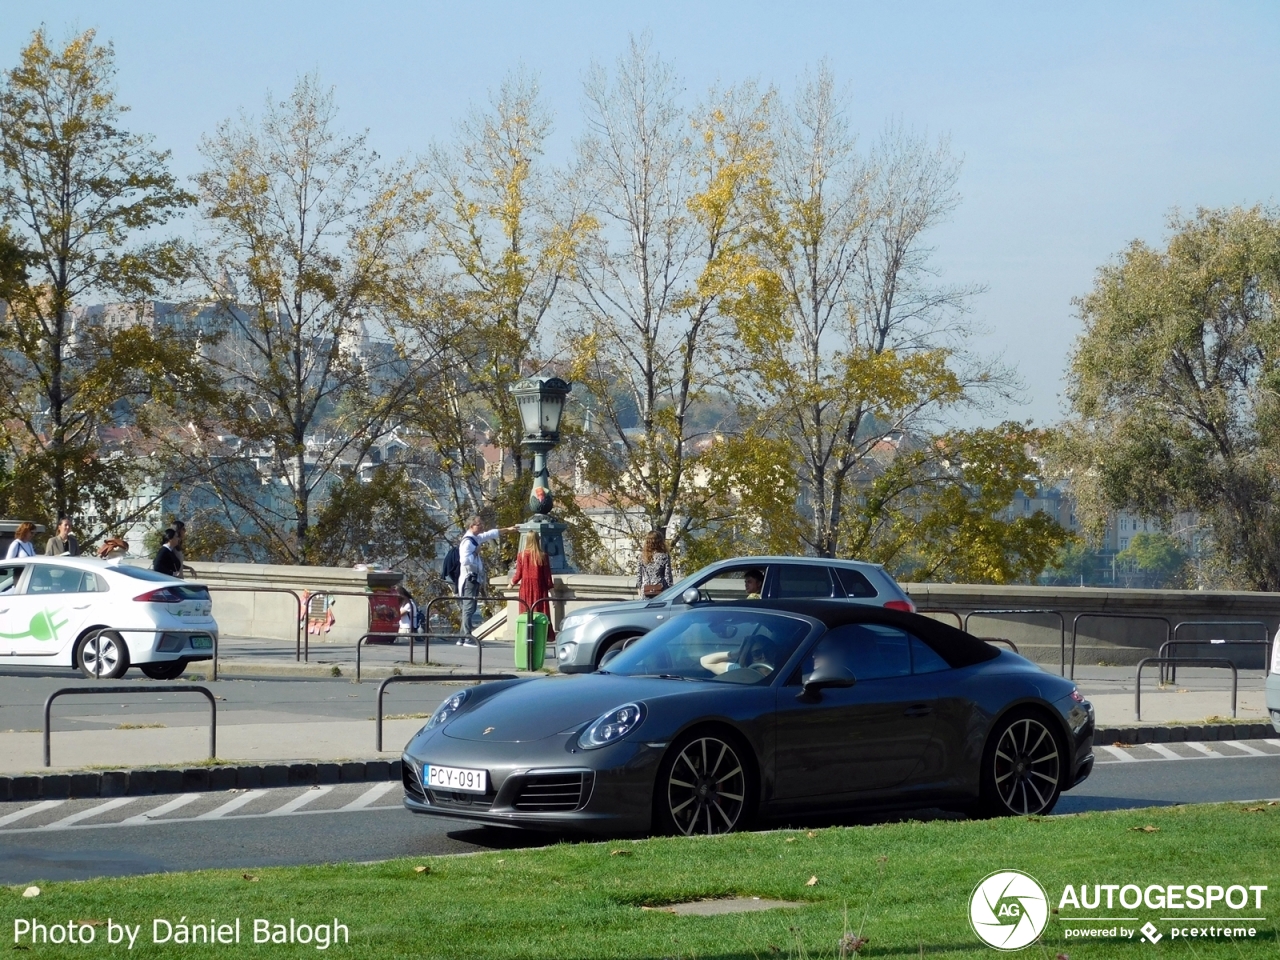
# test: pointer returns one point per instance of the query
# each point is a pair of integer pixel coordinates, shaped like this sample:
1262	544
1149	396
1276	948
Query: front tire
102	654
1022	767
615	647
704	786
169	670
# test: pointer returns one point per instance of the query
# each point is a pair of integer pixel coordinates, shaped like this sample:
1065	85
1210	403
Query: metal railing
300	618
1170	674
306	650
1188	662
394	637
463	677
926	611
184	688
466	634
1062	643
1012	646
1075	627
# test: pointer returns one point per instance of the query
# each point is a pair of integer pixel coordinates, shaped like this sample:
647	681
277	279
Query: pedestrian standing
180	551
654	574
21	546
471	575
533	575
63	543
166	560
408	609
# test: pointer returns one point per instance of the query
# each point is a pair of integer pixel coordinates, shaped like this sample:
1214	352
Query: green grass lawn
903	886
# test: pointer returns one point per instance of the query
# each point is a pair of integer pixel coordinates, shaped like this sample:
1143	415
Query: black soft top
958	648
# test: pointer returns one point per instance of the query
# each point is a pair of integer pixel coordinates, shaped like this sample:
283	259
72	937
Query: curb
1182	733
133	783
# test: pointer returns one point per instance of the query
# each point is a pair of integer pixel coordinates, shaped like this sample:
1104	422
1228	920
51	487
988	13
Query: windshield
746	646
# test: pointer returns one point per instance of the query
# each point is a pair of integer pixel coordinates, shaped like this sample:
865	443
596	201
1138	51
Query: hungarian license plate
457	778
200	641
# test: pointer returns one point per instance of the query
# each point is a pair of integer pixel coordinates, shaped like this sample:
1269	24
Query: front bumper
1079	718
1273	699
543	785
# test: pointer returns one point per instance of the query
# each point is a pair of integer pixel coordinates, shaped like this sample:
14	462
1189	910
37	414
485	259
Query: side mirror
691	596
818	681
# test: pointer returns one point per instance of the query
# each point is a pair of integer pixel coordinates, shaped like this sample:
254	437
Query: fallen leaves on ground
422	869
811	882
31	892
620	853
1147	829
250	877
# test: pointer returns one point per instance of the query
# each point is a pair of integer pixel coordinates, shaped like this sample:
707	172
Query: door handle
918	710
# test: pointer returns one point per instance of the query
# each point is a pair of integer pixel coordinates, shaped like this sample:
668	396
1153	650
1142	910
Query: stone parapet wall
254	611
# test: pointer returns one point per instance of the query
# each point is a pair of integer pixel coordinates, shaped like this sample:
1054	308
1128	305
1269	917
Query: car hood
545	707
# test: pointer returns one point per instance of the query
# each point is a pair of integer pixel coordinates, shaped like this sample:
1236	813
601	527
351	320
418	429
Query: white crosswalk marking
86	814
179	801
297	803
1120	753
235	803
1164	751
1201	748
1252	751
28	811
370	795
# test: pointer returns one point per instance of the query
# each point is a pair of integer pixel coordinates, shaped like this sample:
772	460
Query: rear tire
169	670
102	655
1023	766
705	785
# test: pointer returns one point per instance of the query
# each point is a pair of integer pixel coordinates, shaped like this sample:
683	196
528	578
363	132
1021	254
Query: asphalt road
81	839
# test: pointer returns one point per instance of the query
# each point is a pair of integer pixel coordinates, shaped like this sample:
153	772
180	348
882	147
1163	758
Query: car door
53	605
15	615
860	739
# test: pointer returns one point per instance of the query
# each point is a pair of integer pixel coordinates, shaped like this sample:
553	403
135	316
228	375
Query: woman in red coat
533	574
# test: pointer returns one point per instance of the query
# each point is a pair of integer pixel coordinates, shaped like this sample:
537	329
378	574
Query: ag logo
1008	910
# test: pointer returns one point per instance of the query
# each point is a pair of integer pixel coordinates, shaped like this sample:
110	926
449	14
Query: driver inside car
757	652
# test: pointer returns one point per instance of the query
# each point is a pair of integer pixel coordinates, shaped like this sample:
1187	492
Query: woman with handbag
654	574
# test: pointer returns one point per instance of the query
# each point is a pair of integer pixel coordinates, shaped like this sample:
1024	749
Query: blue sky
1081	125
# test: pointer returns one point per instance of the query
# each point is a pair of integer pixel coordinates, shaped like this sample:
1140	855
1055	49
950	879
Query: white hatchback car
102	617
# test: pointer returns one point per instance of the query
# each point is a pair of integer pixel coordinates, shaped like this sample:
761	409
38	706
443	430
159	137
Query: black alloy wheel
704	787
1023	767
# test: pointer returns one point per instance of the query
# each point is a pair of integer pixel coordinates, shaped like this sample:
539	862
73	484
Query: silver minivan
587	636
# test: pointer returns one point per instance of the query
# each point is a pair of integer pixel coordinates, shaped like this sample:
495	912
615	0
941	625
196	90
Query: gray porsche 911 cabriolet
757	710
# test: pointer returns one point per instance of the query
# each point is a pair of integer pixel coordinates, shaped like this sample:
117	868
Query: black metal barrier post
1075	626
184	688
394	636
449	598
926	611
299	623
465	677
306	650
1185	661
1062	644
1172	671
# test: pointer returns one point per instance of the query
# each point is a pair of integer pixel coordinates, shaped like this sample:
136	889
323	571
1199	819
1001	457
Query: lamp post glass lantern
541	403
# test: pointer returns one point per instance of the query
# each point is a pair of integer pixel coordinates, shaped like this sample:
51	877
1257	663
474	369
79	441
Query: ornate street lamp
541	403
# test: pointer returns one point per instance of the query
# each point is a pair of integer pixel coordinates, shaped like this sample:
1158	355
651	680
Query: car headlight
576	620
567	650
447	709
612	726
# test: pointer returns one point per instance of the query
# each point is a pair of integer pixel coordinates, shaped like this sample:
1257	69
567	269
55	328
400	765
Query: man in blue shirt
471	577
